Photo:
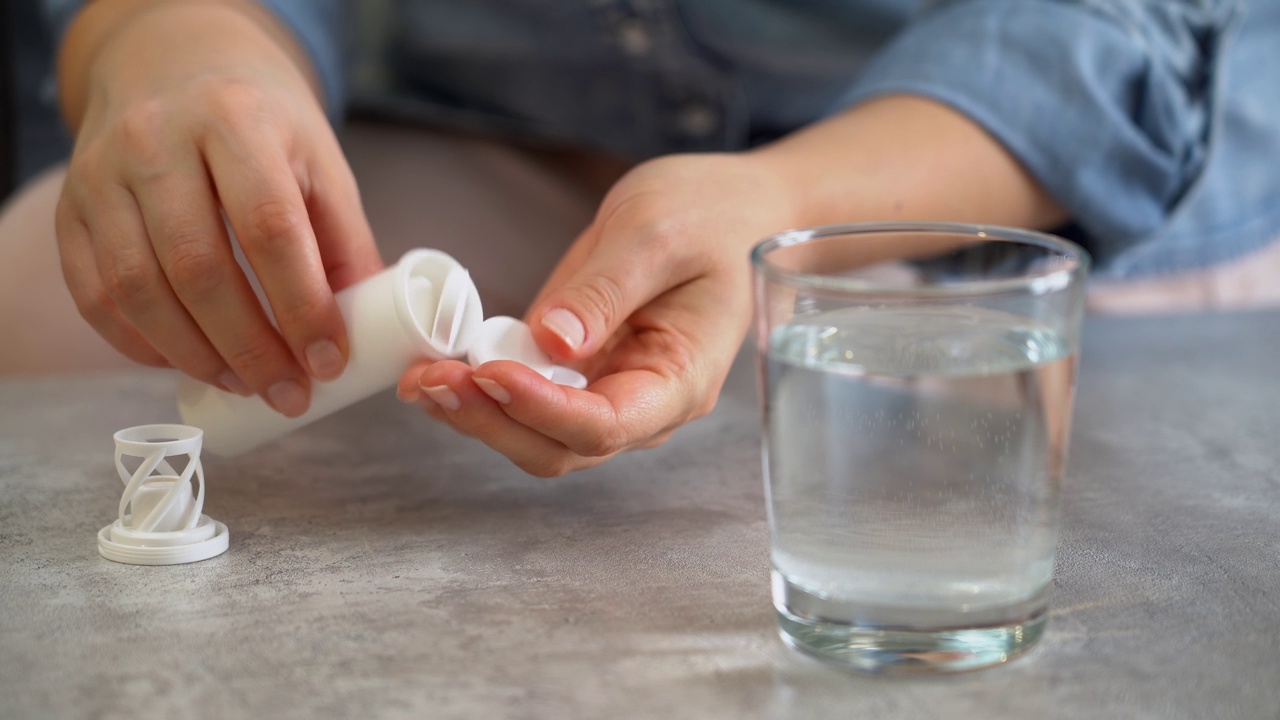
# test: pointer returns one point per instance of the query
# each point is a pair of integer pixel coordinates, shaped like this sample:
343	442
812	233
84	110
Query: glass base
904	650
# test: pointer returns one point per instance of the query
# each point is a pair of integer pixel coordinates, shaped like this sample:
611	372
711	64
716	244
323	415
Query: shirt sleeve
1107	103
317	24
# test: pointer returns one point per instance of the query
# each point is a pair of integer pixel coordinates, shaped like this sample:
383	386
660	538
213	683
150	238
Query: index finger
264	204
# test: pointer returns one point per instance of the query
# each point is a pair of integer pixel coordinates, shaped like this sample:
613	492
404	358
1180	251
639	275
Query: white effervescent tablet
506	338
569	377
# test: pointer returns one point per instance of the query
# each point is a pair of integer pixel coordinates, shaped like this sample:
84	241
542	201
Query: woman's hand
187	112
651	303
654	298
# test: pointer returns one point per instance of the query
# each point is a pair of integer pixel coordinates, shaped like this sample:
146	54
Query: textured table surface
382	567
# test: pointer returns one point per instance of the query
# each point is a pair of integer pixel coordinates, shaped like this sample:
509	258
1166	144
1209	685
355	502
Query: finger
629	266
221	324
261	195
80	271
471	411
665	370
342	231
408	389
134	280
434	410
619	412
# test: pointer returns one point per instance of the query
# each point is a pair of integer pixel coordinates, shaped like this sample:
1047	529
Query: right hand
192	111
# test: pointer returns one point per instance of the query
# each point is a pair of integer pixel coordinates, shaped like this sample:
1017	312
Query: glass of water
917	382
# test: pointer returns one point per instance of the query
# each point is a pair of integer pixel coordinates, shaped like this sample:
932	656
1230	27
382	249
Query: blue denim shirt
1155	123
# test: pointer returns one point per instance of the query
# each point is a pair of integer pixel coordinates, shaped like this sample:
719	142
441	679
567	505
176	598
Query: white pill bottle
423	307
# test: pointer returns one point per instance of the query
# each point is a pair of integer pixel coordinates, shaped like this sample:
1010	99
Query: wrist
801	180
770	190
904	157
117	43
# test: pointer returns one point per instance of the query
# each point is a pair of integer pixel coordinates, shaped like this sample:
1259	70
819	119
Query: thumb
581	309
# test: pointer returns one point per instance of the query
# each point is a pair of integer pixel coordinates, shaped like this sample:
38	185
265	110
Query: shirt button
698	120
633	37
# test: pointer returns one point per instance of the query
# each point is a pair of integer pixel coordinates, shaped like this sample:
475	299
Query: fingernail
493	390
288	397
231	382
325	359
408	395
443	396
566	325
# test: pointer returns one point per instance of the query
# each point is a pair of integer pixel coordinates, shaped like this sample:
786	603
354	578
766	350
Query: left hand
651	303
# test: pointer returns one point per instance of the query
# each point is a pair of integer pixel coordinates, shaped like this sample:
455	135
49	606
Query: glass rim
1076	259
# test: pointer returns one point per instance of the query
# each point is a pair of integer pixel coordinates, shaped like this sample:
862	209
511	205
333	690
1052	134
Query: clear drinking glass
916	382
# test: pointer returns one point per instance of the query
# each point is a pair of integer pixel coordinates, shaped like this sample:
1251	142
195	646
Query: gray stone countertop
382	567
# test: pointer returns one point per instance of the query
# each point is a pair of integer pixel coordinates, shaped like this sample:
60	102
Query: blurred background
31	134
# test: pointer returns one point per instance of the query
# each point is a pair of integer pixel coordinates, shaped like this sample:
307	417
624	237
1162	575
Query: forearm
237	25
905	158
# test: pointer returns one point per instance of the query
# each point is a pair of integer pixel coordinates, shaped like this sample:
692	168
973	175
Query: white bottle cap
159	521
